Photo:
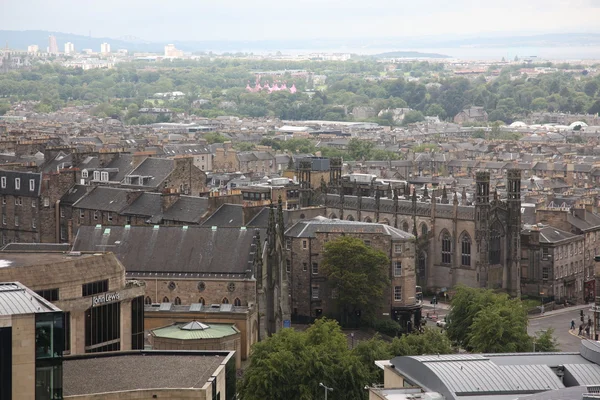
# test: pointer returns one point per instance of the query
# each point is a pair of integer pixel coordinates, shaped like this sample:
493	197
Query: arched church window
446	248
465	244
495	249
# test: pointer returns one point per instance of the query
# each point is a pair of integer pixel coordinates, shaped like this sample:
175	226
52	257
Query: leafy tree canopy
358	273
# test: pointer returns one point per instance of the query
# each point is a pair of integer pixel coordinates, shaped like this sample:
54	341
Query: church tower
482	225
513	262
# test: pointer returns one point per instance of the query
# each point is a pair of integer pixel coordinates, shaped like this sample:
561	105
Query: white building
34	48
69	48
171	51
105	48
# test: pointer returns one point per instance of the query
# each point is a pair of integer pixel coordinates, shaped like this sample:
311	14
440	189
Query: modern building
31	345
134	375
52	45
310	293
33	48
69	48
105	48
522	376
196	335
103	312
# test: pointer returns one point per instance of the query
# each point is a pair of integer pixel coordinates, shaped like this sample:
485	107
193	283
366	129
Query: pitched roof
187	209
227	215
147	204
170	249
158	169
103	199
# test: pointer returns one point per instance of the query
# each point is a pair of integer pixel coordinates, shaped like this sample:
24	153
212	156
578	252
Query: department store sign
105	298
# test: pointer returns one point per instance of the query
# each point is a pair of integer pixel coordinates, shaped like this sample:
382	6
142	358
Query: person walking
580	330
572	324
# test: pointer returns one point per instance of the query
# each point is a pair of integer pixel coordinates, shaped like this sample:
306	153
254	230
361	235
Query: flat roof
26	259
117	372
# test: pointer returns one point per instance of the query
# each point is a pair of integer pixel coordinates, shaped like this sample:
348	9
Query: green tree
359	275
545	342
500	328
214	137
360	149
290	365
431	341
413	116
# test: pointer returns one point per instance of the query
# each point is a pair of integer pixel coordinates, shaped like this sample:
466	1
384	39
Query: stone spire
425	192
455	199
444	196
271	228
280	223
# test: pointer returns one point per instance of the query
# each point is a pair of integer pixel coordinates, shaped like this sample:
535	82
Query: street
561	323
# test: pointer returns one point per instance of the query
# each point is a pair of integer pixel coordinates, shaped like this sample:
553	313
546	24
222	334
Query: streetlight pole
327	389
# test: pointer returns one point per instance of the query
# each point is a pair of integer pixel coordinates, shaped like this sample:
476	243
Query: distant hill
19	40
409	54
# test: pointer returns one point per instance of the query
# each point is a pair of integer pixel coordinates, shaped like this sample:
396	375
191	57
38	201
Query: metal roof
584	374
15	299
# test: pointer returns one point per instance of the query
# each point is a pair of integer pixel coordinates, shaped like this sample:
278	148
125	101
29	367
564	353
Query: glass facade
90	289
5	363
103	328
49	347
137	323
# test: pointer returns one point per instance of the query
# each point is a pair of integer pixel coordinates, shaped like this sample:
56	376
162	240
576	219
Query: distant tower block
105	48
52	45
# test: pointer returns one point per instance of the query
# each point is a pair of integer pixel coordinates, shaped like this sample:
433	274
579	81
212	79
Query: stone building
231	266
195	335
310	294
472	114
244	318
30	205
31	344
103	311
477	245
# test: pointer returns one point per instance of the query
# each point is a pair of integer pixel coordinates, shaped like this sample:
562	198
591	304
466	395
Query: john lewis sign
105	298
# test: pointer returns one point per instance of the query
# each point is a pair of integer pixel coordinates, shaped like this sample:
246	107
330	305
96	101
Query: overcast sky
164	20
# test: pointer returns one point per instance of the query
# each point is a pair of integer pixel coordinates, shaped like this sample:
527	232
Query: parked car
441	324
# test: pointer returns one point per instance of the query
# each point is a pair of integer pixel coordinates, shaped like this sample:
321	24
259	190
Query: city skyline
304	19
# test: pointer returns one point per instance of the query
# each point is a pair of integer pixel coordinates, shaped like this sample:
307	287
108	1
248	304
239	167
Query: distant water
476	53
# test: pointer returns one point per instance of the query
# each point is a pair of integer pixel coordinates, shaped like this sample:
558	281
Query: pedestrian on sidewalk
580	330
587	331
572	324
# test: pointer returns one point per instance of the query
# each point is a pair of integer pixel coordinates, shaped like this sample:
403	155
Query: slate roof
550	234
196	251
37	247
24	177
185	149
158	168
261	220
75	193
16	298
148	204
226	215
123	163
308	228
103	199
187	209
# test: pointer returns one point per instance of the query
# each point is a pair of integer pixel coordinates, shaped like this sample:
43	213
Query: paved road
567	341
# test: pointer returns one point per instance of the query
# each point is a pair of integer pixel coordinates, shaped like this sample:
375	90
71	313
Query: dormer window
96	175
17	183
31	185
84	173
104	176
